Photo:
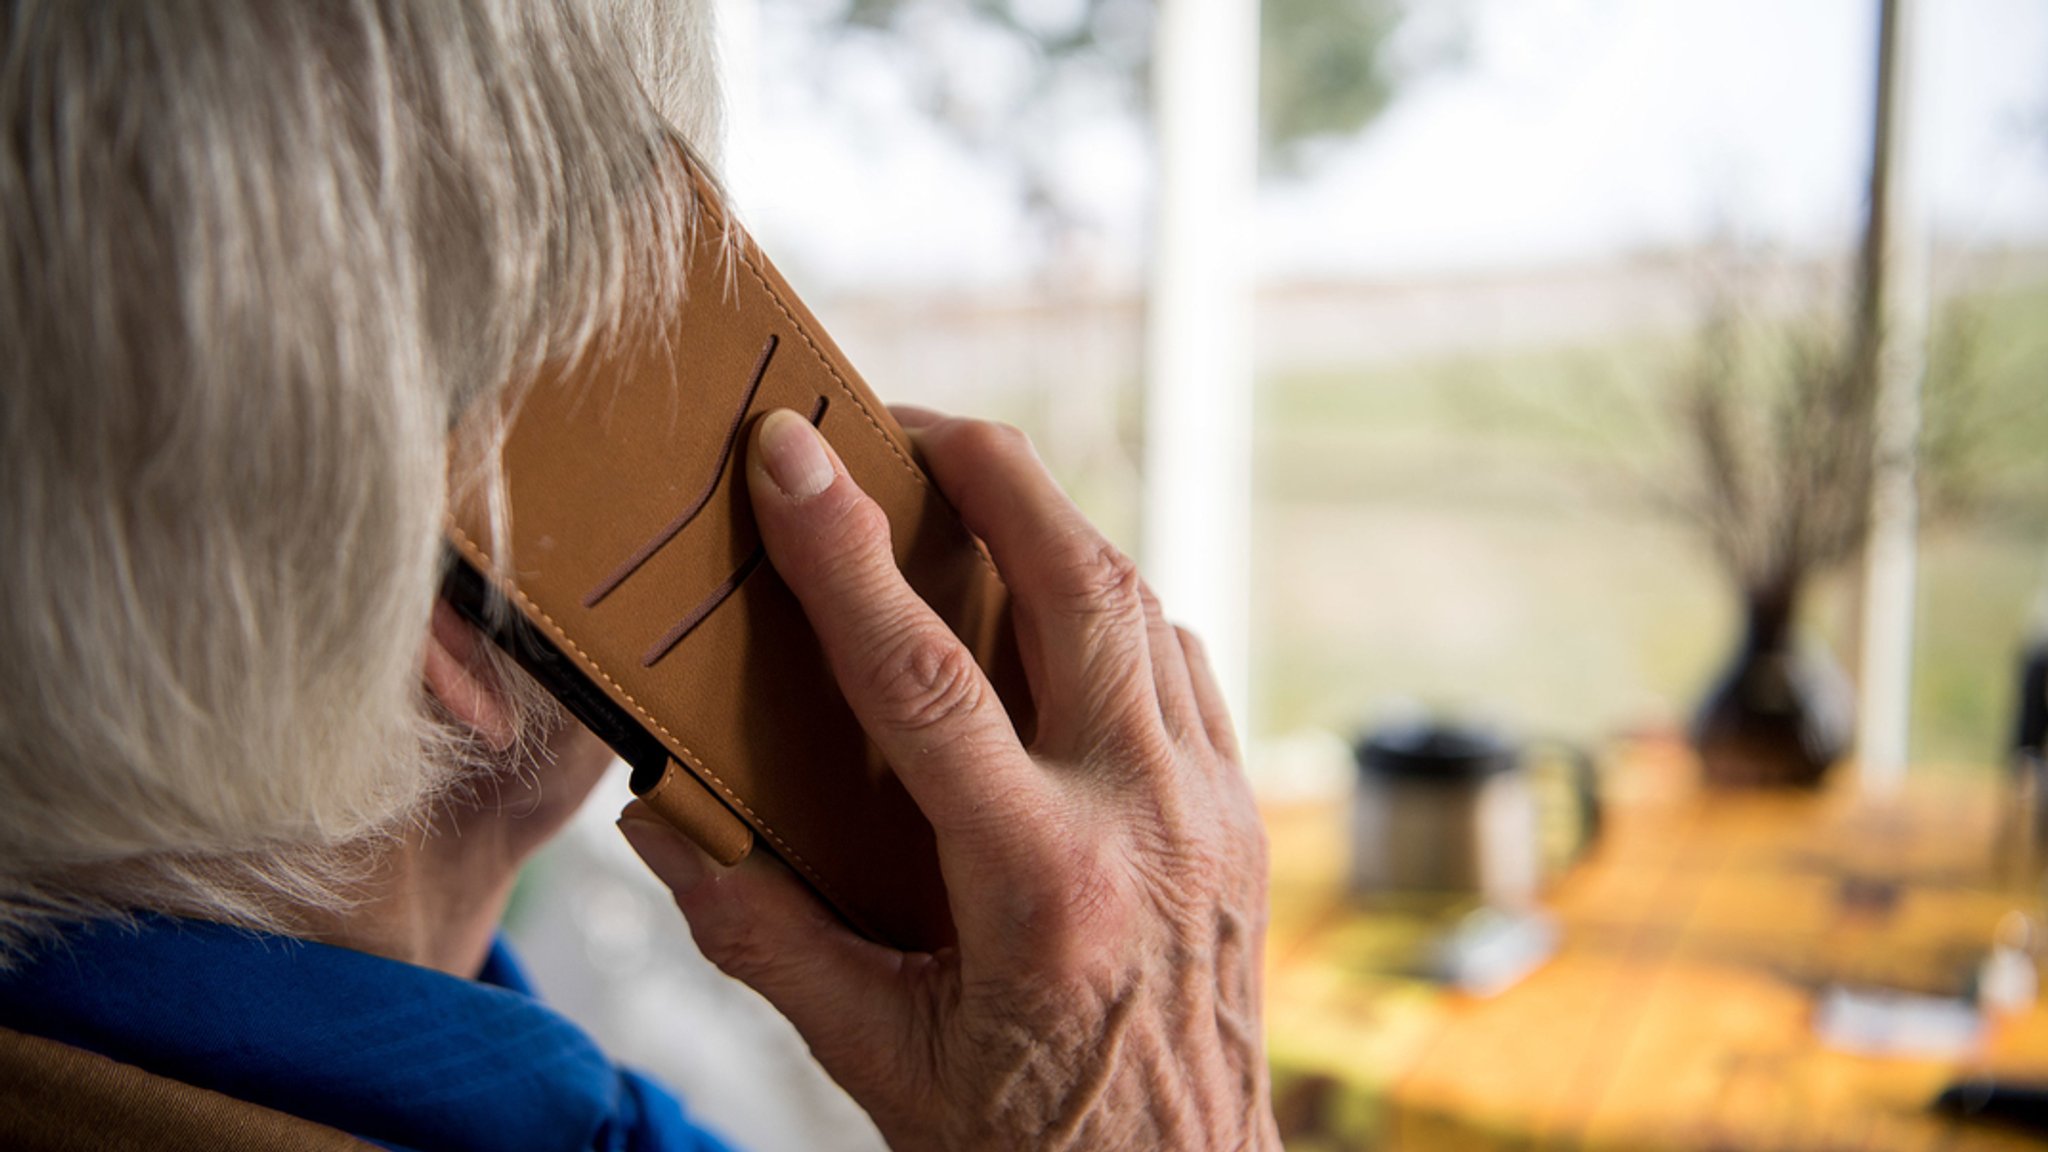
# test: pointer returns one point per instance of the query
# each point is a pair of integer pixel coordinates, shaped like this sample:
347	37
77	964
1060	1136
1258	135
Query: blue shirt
405	1057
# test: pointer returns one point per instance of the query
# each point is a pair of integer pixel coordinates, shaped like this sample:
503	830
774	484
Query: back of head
255	260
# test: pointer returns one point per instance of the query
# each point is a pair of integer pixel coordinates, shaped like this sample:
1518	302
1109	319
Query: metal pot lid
1435	751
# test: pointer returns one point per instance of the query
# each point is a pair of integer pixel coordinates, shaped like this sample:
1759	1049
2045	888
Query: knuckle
994	439
1255	848
859	525
1238	835
926	679
1129	750
1100	578
737	945
1084	901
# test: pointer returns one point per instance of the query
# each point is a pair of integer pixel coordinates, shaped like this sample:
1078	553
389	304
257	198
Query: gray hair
256	258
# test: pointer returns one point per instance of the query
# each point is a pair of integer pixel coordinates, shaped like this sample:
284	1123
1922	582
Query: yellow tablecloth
1678	1011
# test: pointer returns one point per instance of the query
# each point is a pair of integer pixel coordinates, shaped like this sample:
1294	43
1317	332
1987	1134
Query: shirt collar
402	1055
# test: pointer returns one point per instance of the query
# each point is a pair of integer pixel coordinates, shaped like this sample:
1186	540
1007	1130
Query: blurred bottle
2025	836
2030	730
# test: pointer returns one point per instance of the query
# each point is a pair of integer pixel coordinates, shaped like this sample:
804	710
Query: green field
1476	533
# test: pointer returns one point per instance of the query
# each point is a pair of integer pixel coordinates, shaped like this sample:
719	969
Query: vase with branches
1762	443
1776	421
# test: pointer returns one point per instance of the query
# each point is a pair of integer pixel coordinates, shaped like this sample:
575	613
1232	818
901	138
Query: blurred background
1497	363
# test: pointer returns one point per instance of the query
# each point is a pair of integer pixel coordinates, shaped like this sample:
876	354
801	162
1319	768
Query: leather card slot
726	587
674	527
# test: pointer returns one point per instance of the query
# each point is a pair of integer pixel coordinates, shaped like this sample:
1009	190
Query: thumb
759	924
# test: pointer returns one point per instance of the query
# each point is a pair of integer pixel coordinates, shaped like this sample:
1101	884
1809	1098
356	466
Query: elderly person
263	799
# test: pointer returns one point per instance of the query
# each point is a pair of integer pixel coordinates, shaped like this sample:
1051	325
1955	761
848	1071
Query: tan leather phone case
644	601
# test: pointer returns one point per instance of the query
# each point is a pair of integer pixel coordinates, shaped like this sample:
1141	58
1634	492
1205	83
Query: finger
915	420
1170	679
914	687
1074	591
913	417
1209	696
760	925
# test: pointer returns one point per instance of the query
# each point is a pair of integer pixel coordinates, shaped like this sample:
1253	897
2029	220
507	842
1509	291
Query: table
1677	1012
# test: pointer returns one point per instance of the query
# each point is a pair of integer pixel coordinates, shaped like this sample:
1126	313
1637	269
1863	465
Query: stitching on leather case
483	560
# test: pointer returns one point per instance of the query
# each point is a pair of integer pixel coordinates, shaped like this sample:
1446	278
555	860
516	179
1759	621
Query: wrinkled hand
1107	883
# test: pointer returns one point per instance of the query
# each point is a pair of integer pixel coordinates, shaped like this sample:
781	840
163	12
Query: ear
454	673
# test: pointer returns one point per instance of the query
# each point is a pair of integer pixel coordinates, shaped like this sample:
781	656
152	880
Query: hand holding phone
1107	876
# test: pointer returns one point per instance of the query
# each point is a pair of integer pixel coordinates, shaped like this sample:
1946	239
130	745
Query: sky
1570	130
